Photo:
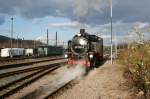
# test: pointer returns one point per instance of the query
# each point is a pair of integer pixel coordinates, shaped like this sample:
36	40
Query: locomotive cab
95	54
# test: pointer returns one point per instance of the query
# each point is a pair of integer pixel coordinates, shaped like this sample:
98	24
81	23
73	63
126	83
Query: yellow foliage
137	59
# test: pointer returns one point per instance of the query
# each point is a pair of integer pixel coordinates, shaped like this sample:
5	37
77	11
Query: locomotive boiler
85	49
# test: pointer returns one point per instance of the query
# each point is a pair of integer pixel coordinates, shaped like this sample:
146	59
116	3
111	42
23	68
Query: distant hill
3	38
5	43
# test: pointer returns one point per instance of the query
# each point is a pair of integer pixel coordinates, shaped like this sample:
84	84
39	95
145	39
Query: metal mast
17	42
56	38
11	40
111	29
47	38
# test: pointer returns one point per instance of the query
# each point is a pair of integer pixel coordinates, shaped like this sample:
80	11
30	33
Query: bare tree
139	34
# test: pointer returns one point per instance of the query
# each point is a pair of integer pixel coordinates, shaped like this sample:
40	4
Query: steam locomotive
85	49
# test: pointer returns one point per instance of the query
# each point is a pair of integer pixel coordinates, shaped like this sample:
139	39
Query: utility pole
11	40
23	43
116	43
63	44
17	42
56	38
11	32
47	38
111	29
34	43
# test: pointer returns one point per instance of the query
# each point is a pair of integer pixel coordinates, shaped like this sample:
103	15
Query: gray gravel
39	84
31	66
15	77
105	82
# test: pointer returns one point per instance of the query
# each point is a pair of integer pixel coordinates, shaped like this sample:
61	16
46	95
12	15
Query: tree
139	34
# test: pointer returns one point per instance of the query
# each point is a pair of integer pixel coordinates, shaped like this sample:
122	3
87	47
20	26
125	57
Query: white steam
71	73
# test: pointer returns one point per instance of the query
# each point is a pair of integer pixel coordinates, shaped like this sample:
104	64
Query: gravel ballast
106	82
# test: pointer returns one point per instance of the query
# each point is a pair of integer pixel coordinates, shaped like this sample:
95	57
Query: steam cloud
72	73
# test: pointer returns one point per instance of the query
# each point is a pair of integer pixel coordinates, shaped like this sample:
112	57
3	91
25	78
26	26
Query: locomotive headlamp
79	34
91	55
82	42
66	56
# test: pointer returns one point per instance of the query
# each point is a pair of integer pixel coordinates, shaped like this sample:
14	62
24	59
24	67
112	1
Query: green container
50	50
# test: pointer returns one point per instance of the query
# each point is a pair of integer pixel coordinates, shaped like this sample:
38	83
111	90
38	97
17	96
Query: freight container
50	50
29	52
8	52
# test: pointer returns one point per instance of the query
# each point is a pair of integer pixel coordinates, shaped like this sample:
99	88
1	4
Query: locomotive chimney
82	31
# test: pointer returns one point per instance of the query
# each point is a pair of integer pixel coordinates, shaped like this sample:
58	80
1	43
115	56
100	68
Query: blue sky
36	29
31	19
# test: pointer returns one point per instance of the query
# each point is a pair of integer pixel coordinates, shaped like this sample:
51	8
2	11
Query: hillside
5	43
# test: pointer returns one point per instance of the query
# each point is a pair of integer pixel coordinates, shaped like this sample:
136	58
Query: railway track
57	89
31	67
51	89
26	63
20	59
47	92
14	59
26	76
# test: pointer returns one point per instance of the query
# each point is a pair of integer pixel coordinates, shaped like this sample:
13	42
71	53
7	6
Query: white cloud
82	8
66	25
86	11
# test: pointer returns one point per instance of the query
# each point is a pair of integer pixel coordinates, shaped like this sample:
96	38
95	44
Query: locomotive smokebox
82	31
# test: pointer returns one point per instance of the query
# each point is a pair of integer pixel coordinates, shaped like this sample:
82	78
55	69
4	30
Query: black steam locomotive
85	49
